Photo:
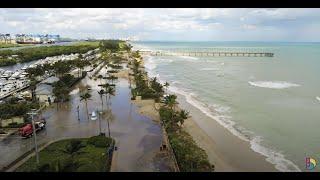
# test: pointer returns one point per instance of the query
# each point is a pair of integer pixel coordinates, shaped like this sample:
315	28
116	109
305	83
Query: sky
270	24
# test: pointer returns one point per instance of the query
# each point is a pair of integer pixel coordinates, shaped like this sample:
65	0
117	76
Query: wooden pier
207	53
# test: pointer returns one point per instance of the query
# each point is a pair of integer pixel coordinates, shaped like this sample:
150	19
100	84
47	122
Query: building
44	94
36	39
44	91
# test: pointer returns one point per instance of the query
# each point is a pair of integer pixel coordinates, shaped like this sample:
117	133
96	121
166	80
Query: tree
170	101
112	45
61	68
112	78
100	77
33	86
110	91
61	92
101	93
85	97
183	115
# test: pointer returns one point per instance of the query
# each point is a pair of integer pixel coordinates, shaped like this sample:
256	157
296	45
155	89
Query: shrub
74	146
190	157
100	141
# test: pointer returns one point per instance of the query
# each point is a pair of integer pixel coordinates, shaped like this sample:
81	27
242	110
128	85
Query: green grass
89	156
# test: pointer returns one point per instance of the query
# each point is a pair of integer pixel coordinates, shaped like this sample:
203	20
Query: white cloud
204	24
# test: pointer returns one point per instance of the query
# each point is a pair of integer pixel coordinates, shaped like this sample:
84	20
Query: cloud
162	24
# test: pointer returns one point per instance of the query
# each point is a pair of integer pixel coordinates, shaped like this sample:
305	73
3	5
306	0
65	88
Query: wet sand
226	151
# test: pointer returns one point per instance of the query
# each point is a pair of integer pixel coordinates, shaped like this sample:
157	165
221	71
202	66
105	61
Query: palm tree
109	91
33	86
100	77
183	115
112	78
101	92
166	84
85	97
170	101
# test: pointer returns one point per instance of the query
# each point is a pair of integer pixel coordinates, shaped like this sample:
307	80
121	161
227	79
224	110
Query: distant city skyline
283	24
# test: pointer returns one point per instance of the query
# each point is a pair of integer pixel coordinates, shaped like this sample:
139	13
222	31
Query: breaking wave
318	98
273	84
209	69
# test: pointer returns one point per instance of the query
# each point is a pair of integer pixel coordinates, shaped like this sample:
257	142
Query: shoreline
227	152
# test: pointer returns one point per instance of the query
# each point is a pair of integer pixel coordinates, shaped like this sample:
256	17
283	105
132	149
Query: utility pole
33	113
108	126
100	113
78	113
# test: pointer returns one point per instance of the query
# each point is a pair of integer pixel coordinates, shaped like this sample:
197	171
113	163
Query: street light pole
78	113
108	127
100	122
34	134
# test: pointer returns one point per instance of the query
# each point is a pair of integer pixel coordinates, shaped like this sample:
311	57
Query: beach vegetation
190	157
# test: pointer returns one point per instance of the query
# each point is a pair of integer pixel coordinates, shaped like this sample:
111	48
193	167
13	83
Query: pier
208	53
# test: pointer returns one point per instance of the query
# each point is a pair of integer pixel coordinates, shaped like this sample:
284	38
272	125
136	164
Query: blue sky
168	24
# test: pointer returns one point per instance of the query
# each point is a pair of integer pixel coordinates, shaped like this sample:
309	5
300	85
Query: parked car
93	116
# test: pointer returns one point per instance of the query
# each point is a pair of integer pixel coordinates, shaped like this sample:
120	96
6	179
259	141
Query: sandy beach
227	152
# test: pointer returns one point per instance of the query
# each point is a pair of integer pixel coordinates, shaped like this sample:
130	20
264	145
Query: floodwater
137	136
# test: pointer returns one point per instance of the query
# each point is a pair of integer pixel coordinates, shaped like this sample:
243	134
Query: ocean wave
276	158
273	84
318	98
189	57
217	113
150	63
209	69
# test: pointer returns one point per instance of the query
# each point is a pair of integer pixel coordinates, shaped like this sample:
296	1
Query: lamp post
33	113
100	113
78	113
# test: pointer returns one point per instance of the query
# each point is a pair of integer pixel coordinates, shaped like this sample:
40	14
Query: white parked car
93	116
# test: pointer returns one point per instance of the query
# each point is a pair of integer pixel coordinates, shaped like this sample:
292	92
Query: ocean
271	102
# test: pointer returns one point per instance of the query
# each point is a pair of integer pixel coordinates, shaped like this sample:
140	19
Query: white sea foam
273	84
189	57
209	69
318	98
272	156
150	63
